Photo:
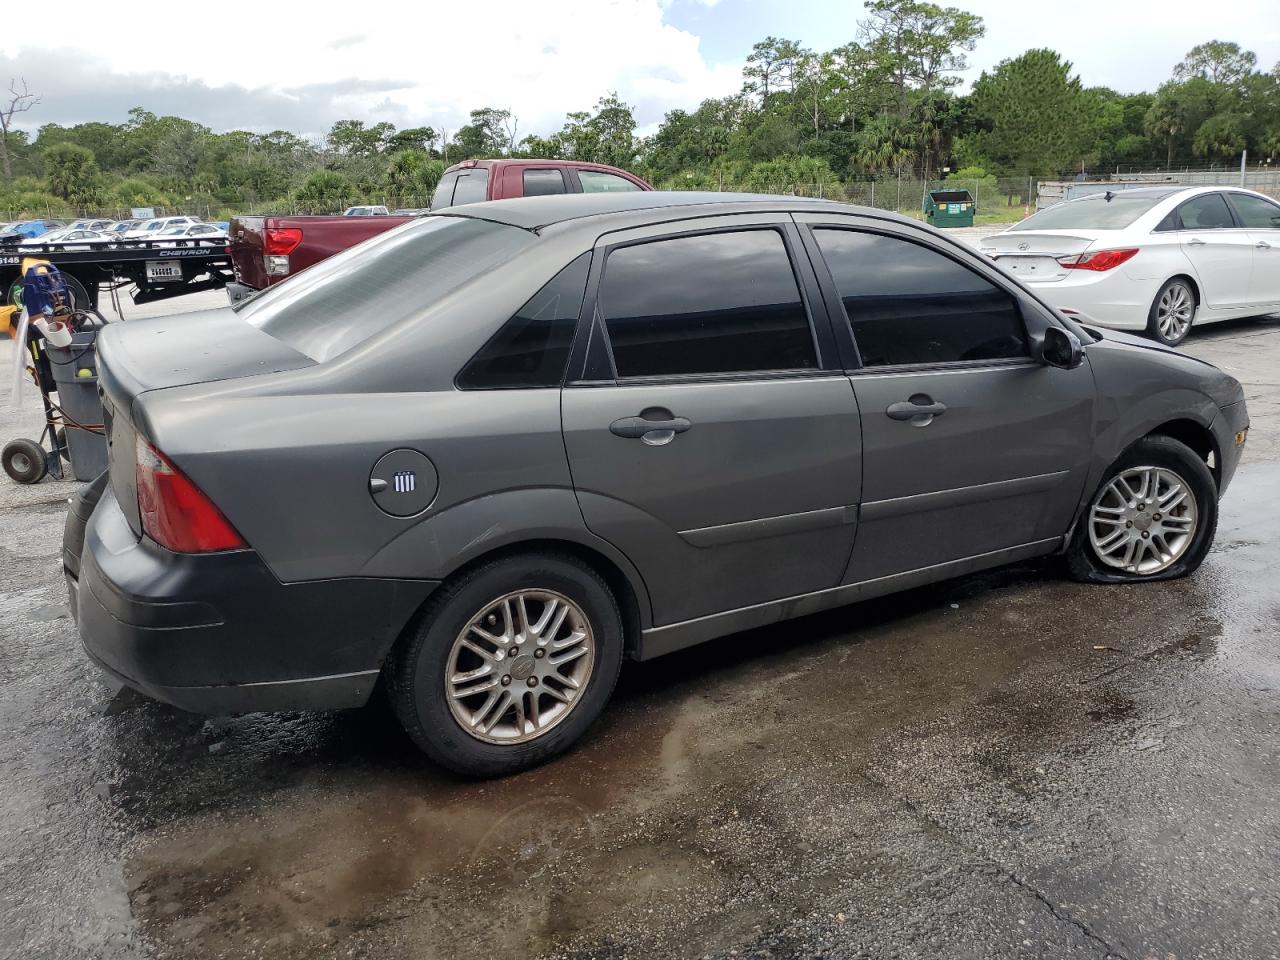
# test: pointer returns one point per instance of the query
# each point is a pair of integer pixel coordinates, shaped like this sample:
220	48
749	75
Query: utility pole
1244	159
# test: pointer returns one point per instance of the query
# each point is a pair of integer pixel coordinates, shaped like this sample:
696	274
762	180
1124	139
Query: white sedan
1157	259
194	231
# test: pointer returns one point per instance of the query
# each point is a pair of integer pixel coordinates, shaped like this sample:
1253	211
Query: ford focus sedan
480	459
1154	260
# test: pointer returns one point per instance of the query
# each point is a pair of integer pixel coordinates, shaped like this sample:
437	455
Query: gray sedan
481	458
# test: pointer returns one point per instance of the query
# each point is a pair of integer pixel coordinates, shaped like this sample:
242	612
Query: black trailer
158	269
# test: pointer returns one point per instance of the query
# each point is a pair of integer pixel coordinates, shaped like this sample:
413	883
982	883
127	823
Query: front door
1220	252
714	450
970	446
1261	218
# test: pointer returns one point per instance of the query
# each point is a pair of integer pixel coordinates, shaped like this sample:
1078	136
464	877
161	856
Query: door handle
639	428
1262	245
920	410
1195	242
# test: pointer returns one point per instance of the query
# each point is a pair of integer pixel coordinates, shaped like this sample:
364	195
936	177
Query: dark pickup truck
266	250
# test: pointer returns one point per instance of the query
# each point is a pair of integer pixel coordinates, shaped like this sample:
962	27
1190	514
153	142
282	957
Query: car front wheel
1172	312
509	664
1152	518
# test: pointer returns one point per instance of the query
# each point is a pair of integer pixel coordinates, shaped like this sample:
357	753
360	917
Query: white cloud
420	64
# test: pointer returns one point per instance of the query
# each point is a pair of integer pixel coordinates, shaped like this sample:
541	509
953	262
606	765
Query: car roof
534	213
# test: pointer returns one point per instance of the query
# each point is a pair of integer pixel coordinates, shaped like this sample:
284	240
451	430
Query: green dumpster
950	208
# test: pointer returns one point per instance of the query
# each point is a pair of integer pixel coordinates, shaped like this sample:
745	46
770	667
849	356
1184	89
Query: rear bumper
1112	300
218	633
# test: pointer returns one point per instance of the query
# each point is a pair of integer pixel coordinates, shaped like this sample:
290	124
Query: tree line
885	104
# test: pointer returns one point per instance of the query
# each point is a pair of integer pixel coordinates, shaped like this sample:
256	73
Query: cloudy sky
263	66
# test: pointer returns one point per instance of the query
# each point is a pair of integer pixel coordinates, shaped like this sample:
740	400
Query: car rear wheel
1152	518
509	664
1172	312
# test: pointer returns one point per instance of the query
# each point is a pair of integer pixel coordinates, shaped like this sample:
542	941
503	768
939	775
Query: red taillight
175	514
280	241
1098	260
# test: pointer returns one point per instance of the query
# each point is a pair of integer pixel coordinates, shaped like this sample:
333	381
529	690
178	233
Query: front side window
473	187
532	348
908	304
541	183
595	181
1256	213
1207	212
713	303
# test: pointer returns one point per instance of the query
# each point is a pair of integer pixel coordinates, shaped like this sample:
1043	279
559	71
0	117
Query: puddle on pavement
744	776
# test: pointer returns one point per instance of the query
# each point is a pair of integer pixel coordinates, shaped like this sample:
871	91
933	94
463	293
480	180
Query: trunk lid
144	355
1031	256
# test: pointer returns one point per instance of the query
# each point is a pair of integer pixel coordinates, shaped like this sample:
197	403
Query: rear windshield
344	300
1097	212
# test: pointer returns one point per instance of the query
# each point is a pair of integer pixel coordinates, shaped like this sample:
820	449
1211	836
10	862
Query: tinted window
715	303
1208	212
443	197
540	183
1097	212
473	186
909	304
1256	213
346	299
532	347
593	181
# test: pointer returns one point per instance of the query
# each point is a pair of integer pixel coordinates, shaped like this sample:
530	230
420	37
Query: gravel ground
1005	765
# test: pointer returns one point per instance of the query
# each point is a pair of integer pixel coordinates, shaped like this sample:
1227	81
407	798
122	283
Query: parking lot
1006	765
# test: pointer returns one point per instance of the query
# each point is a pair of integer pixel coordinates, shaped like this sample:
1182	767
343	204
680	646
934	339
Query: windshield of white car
1096	212
344	300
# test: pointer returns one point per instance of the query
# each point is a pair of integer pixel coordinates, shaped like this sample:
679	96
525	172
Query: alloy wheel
1143	520
520	666
1175	311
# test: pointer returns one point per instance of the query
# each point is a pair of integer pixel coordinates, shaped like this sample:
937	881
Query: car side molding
658	641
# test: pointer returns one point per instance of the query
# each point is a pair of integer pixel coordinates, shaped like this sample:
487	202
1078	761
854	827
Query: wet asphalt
1005	765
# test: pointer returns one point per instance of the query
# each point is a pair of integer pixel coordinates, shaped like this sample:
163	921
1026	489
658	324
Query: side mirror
1060	348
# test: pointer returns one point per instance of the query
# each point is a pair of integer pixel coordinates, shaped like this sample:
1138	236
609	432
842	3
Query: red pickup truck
266	250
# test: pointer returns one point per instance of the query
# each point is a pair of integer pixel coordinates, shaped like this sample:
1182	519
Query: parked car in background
91	225
191	231
365	212
266	250
28	229
150	228
122	228
1156	260
548	433
73	238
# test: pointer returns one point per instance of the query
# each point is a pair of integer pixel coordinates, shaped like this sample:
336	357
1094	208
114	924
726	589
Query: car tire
419	672
1088	550
24	461
1172	312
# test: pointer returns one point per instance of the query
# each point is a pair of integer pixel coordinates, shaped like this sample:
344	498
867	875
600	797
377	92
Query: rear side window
541	183
443	197
712	303
532	348
1208	212
473	186
908	304
595	181
1256	213
344	300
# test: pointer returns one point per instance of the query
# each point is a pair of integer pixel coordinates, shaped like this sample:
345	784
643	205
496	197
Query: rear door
711	436
970	446
1261	218
1219	249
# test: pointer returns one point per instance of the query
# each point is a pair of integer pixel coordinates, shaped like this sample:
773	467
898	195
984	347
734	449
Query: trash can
950	208
75	374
